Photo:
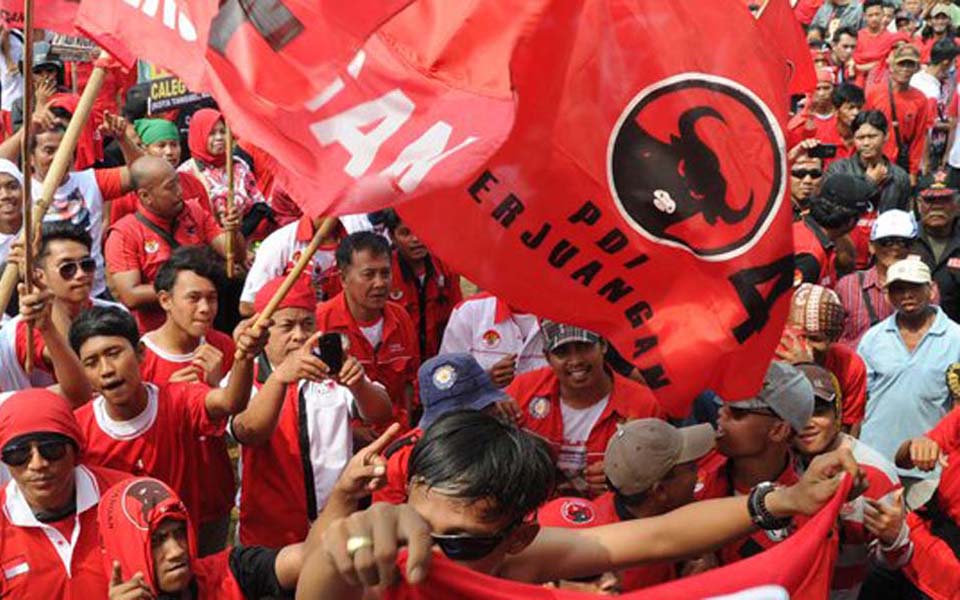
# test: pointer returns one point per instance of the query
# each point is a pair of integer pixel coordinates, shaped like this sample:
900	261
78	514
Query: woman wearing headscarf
207	141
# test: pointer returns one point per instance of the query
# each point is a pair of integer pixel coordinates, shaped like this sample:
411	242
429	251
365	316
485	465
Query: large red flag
641	193
56	15
799	568
782	30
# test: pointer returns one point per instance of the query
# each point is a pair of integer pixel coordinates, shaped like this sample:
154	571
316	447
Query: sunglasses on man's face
811	173
68	270
467	547
19	455
739	413
890	242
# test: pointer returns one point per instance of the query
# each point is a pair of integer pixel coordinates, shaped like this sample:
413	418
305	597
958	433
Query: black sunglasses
68	270
20	454
812	173
742	412
894	241
466	547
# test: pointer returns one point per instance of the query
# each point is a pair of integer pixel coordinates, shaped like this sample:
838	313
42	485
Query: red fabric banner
641	193
56	15
782	30
798	568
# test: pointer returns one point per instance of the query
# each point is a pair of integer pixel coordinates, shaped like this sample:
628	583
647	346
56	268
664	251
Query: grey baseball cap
787	392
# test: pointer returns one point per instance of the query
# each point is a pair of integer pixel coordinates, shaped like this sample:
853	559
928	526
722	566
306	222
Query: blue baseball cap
450	382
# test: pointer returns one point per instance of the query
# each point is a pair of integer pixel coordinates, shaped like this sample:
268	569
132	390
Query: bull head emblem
149	494
661	184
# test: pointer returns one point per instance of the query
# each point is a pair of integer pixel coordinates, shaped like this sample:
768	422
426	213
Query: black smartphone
330	350
823	151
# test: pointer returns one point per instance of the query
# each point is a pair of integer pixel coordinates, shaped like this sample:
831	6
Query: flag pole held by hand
231	202
58	168
322	232
27	215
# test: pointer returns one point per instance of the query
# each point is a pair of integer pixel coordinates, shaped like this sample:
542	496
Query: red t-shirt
190	187
644	576
440	293
713	481
31	566
157	366
154	443
872	47
132	246
395	360
398	468
849	369
538	394
914	118
806	242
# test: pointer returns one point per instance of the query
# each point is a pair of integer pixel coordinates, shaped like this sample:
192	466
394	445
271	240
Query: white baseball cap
910	270
894	223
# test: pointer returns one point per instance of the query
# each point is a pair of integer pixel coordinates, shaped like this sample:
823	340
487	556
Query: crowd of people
166	432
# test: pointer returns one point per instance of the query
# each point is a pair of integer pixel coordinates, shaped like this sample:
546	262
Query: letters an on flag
799	568
55	15
641	193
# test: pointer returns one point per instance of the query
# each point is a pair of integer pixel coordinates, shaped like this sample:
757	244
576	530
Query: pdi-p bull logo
696	162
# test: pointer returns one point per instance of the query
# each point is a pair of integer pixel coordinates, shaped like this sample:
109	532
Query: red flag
799	568
56	15
641	194
782	31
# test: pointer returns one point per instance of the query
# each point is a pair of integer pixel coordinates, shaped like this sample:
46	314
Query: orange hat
37	411
301	295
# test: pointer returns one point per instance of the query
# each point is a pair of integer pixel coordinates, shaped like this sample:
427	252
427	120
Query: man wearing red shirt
907	140
753	446
842	45
874	41
160	138
49	526
448	382
651	469
187	348
816	321
426	287
935	565
143	428
139	243
296	432
873	525
576	404
817	118
380	333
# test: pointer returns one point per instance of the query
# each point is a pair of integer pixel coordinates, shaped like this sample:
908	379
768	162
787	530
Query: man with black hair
834	212
874	40
64	274
939	241
380	332
422	284
834	14
143	428
138	244
476	507
842	44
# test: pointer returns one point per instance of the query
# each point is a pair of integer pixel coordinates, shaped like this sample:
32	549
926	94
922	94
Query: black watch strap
756	505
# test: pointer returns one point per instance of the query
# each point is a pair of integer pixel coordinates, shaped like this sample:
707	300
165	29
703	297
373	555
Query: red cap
574	513
37	410
301	295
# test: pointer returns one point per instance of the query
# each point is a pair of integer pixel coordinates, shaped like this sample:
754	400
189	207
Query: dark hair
479	457
829	214
847	92
871	3
201	260
358	242
35	133
843	31
53	231
108	321
391	220
874	118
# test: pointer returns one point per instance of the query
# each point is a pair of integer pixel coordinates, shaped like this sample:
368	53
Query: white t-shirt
278	253
374	333
577	425
926	83
11	82
6	240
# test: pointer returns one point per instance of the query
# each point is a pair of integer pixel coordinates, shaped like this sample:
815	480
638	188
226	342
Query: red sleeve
193	397
854	387
110	182
21	345
120	250
947	433
224	343
123	206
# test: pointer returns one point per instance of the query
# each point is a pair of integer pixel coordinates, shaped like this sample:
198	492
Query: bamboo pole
27	187
231	202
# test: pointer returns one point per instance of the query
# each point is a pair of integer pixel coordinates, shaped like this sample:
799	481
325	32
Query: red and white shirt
155	442
484	326
54	560
157	365
285	483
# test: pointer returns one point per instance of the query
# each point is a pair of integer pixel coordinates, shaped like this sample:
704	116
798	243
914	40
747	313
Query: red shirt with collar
644	576
175	416
190	188
393	363
30	565
398	468
132	246
430	303
849	369
713	481
538	394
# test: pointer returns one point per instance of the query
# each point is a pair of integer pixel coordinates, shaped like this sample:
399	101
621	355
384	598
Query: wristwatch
756	505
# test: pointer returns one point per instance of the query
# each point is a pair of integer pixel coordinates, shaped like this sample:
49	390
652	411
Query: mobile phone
330	350
823	151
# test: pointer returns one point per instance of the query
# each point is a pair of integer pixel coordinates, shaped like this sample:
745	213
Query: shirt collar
19	513
871	279
939	326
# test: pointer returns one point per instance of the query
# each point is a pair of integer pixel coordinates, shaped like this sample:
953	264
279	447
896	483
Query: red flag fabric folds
798	568
641	192
56	15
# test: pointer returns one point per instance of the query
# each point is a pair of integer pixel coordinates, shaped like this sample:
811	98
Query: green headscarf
156	130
